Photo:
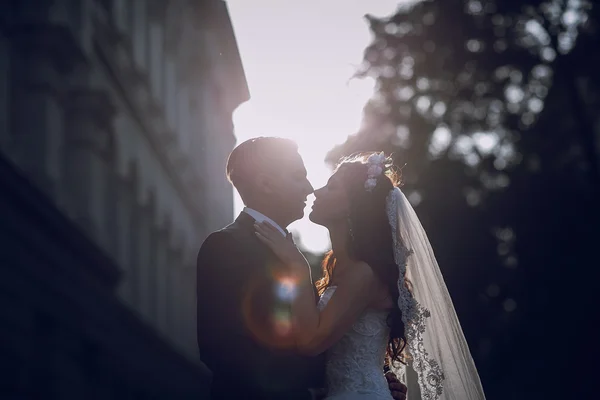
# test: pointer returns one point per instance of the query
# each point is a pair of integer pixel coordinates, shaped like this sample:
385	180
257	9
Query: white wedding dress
355	363
442	367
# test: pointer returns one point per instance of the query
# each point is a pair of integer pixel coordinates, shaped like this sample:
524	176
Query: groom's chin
297	216
314	219
300	214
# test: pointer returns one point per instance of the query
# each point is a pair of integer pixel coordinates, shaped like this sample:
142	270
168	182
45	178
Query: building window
140	33
171	93
157	59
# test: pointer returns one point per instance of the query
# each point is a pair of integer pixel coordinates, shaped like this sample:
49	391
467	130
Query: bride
382	296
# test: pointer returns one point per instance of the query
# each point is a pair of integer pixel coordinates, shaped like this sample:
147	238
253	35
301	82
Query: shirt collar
260	217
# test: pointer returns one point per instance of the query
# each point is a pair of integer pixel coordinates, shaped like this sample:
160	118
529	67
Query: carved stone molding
135	89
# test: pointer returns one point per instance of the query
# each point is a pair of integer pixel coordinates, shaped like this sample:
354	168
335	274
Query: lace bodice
355	362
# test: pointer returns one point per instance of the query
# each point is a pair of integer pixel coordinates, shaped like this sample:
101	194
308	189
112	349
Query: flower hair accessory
376	165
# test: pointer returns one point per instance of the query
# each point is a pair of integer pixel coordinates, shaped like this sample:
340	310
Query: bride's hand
283	246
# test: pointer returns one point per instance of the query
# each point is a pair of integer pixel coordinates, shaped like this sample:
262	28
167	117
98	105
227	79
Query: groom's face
289	187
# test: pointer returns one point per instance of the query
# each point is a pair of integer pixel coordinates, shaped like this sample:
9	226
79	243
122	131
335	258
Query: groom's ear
264	183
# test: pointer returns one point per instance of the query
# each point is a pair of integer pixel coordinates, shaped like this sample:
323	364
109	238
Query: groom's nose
309	188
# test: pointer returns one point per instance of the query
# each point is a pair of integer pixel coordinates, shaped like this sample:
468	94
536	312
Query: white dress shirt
260	217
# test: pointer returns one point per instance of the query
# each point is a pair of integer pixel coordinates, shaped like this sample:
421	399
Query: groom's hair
256	155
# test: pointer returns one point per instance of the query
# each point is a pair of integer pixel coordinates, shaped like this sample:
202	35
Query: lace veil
436	345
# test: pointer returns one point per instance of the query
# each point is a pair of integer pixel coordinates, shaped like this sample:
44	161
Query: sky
298	57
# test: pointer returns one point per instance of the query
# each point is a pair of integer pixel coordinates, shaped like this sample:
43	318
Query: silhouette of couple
268	332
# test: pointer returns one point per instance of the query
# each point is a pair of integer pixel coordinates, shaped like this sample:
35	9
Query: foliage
467	80
492	107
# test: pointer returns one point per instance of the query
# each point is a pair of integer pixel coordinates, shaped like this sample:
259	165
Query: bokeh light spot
510	305
286	289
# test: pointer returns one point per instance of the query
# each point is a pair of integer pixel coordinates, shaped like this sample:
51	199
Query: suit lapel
245	225
264	255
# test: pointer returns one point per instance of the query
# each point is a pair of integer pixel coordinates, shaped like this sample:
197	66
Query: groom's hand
397	388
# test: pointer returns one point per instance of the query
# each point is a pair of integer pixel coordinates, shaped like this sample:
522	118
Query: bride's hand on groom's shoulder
283	246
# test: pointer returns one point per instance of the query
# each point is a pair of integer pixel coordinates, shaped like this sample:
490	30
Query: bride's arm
316	331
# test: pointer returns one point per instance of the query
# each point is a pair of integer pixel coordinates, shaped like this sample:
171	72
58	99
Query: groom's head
270	176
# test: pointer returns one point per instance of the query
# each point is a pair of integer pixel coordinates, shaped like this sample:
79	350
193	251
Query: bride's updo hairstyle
370	236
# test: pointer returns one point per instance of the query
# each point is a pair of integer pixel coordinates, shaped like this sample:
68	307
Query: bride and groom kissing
267	331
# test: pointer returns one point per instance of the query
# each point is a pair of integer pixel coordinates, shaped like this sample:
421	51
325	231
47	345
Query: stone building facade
117	113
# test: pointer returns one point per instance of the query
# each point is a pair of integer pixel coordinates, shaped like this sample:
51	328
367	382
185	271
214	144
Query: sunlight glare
299	80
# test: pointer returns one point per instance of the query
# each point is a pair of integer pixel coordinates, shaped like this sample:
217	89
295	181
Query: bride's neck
338	234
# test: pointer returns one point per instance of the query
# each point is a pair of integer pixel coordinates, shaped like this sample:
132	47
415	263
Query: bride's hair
371	239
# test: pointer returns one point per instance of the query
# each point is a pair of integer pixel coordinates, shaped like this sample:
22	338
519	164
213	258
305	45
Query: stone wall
119	113
64	333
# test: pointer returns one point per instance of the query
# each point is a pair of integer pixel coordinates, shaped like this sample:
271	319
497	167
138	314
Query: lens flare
282	320
265	303
286	289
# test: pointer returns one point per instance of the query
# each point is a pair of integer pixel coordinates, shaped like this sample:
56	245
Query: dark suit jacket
242	321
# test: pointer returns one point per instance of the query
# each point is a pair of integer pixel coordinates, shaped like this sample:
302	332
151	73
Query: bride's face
331	202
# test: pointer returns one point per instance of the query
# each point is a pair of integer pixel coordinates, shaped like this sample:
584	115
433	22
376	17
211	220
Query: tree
492	102
468	79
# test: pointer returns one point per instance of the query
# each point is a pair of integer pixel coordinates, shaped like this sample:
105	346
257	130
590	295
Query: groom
243	312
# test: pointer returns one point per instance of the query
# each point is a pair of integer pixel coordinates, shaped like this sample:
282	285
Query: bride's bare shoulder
358	271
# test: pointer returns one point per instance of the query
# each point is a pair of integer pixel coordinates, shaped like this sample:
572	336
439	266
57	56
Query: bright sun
298	58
